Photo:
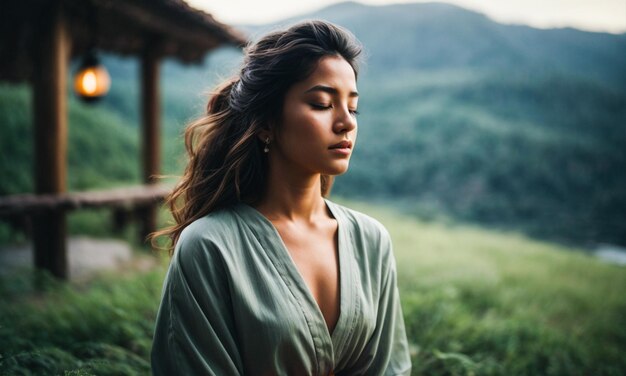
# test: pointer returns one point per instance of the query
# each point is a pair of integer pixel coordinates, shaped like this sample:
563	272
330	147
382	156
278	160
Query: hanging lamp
92	80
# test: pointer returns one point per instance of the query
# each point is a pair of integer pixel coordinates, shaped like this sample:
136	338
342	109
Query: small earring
267	145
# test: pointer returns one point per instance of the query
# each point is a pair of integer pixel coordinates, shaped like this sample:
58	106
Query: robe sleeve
388	346
195	333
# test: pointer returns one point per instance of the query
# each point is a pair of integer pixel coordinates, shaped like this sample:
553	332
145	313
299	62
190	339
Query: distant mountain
443	36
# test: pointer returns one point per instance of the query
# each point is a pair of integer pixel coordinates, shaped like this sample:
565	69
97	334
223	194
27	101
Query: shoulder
213	226
207	237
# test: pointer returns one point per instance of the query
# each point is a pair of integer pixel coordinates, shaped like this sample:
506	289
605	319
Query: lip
343	148
345	144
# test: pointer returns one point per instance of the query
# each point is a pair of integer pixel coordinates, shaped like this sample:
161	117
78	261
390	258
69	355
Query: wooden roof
167	28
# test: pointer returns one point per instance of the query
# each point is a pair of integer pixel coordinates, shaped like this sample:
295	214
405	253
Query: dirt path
86	257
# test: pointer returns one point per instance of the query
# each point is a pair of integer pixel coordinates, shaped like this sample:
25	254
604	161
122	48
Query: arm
195	333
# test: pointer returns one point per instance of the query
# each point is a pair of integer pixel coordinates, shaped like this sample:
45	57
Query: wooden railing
43	215
128	197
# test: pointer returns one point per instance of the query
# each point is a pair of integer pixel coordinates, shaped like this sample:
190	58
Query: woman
268	277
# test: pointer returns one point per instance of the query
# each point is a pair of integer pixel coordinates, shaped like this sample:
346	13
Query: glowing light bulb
89	82
92	80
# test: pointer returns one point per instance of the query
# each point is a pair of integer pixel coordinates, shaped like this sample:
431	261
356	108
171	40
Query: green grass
104	328
479	302
476	302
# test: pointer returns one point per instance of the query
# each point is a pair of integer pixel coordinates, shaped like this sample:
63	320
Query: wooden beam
151	118
151	111
127	197
50	120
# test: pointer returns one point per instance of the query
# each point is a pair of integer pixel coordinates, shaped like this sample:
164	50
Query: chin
336	170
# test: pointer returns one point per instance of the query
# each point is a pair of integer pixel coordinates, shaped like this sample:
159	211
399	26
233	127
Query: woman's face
318	127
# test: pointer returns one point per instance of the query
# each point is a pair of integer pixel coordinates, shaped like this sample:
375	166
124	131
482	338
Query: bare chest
315	254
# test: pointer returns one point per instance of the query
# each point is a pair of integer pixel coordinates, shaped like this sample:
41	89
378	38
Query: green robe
234	303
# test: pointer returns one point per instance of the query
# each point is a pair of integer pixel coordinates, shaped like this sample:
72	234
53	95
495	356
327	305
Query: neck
292	197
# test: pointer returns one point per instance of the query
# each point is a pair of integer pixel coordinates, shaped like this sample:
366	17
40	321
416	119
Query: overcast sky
594	15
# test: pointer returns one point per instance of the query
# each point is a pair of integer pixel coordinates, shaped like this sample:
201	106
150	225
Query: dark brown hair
226	162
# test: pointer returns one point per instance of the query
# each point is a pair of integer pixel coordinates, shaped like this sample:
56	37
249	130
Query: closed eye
321	107
318	106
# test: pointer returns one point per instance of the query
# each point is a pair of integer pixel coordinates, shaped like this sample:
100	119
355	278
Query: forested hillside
102	149
461	117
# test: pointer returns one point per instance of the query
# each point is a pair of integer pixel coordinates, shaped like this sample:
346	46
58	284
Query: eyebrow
329	90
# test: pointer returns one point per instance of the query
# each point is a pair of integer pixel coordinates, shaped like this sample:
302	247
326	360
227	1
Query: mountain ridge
439	35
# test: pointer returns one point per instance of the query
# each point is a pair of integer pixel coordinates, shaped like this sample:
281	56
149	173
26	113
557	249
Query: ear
264	134
266	131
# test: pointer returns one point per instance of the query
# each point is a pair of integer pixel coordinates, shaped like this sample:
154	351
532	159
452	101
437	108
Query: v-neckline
282	252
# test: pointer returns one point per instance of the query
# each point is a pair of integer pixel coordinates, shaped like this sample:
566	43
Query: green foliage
102	151
16	161
104	328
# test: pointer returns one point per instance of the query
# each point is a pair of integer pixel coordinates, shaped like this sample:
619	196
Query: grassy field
476	302
486	303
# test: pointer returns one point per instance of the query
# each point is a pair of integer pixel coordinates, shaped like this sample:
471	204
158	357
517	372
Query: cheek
306	126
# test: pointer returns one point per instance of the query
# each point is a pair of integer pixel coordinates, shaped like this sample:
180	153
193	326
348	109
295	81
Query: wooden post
151	140
50	125
120	219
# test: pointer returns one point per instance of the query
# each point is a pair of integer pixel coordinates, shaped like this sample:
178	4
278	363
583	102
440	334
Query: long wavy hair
226	160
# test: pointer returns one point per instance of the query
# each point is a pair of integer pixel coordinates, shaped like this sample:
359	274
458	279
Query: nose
345	121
